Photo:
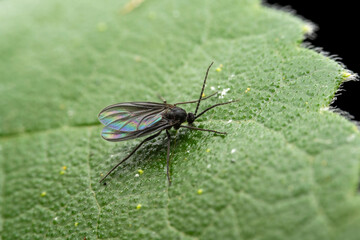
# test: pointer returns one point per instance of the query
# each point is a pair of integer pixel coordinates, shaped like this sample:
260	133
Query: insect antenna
203	87
195	101
202	91
216	105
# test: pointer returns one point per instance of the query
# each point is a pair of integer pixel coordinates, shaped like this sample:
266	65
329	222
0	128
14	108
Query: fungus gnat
130	120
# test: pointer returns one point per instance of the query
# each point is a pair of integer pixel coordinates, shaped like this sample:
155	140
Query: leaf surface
288	169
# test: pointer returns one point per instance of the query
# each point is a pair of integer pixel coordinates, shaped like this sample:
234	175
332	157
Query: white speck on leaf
324	109
224	92
233	150
70	113
350	138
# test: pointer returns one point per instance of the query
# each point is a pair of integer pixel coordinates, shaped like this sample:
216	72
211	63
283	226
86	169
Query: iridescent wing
124	121
116	136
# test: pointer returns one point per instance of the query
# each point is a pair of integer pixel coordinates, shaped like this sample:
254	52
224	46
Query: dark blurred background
338	25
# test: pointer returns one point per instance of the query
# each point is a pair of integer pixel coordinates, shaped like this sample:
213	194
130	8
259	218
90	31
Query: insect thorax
176	114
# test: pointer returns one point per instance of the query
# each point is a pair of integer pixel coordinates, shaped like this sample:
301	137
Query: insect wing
120	111
125	121
116	136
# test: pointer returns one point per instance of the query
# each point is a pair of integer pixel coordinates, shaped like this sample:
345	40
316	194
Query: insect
130	120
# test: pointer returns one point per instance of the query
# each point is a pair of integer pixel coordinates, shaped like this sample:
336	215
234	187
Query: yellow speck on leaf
62	172
345	75
208	150
200	191
43	194
137	58
140	171
138	206
248	89
219	68
355	128
203	95
64	167
102	27
152	15
307	29
130	6
76	224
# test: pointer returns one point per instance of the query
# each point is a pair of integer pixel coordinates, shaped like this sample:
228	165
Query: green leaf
288	169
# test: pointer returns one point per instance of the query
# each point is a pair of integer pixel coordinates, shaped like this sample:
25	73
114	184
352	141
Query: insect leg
162	98
194	101
128	156
201	129
168	157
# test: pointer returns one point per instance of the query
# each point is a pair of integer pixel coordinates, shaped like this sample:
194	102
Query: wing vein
125	121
